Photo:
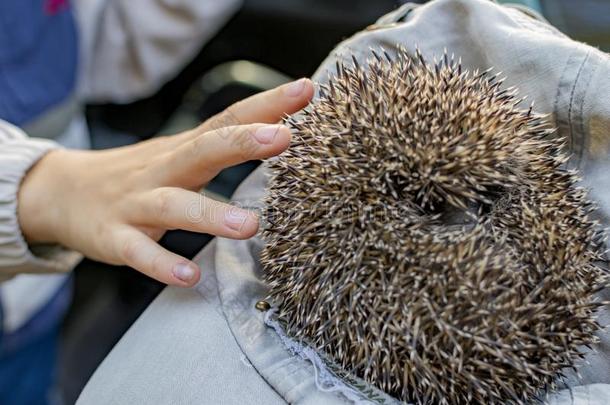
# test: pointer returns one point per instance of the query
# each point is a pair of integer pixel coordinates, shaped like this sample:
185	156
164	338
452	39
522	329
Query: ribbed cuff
17	155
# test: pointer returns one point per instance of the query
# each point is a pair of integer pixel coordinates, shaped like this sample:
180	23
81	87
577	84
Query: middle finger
198	161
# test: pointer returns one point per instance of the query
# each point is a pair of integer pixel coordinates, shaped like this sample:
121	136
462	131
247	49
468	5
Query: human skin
114	205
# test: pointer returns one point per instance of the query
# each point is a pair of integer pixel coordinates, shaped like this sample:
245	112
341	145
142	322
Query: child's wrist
36	207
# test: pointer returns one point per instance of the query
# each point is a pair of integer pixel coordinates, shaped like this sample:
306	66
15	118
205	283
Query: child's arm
114	205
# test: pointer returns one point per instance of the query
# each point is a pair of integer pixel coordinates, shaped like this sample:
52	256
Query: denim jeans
27	375
28	356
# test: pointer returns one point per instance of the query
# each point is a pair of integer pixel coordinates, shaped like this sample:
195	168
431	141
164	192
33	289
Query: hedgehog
424	234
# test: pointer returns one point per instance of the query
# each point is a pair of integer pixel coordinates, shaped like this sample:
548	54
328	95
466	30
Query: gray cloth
148	380
131	48
568	80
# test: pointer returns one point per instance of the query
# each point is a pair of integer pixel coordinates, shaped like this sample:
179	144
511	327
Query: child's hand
114	205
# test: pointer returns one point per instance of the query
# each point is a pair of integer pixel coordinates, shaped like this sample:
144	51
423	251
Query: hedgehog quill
425	236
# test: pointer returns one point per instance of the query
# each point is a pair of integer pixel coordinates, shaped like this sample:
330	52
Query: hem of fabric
324	378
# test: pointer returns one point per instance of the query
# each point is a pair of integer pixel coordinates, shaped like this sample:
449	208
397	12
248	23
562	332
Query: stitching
583	131
558	117
572	99
238	343
324	380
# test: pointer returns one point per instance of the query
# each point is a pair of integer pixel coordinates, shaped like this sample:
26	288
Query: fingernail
267	134
235	218
185	272
295	88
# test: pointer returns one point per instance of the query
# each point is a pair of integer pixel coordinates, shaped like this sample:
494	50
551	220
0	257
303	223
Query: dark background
290	37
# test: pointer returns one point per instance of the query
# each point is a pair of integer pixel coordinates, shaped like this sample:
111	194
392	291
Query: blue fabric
38	71
27	375
47	318
28	356
38	57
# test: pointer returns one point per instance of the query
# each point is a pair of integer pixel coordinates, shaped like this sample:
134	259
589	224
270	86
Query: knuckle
163	203
200	148
243	142
199	144
230	117
224	119
128	251
156	264
228	132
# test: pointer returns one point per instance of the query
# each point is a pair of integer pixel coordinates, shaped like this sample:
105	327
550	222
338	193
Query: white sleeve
18	154
131	48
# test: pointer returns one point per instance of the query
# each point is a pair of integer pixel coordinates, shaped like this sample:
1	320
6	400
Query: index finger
268	107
